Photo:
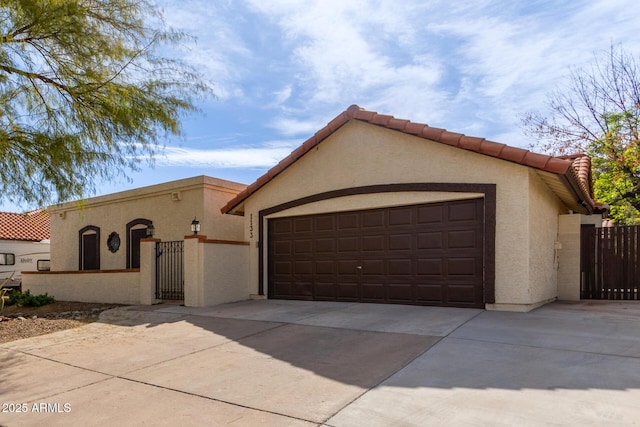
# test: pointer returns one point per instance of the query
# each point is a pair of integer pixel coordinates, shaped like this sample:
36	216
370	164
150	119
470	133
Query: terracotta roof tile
31	226
491	148
450	138
535	160
414	128
512	154
576	169
397	124
338	121
381	119
556	165
432	133
364	115
470	143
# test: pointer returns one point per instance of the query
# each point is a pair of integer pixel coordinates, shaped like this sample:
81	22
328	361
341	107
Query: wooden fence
610	263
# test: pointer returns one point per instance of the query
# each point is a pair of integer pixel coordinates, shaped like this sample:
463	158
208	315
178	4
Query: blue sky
281	70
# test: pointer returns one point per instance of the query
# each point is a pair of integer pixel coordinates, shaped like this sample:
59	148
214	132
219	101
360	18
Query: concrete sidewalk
337	364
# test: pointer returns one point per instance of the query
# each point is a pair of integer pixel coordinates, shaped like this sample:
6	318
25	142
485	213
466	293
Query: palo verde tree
598	113
84	94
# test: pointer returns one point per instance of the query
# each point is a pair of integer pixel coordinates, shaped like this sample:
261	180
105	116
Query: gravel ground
24	322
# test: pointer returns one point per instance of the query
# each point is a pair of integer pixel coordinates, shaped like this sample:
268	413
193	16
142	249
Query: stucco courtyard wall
360	154
116	287
216	271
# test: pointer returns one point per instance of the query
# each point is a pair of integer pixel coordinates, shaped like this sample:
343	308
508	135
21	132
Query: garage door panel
373	267
303	225
325	246
282	247
374	219
283	268
430	267
347	291
401	242
462	211
281	227
325	290
325	267
373	292
429	293
462	267
303	289
401	216
348	267
424	254
399	267
301	247
430	214
348	244
433	240
461	293
303	268
463	239
400	292
281	289
373	243
348	221
324	223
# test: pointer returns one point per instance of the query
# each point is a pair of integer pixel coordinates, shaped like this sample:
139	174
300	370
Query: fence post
148	271
193	270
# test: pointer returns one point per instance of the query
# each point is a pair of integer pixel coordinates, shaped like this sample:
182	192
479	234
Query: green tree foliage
598	113
84	94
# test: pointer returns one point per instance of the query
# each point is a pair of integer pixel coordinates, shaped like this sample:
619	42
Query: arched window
136	230
89	248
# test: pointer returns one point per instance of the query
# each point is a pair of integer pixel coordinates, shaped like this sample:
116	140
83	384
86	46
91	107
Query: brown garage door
420	254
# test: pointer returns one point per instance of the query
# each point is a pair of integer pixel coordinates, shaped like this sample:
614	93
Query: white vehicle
17	256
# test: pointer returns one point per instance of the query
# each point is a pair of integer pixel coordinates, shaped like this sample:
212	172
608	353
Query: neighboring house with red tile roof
24	244
369	209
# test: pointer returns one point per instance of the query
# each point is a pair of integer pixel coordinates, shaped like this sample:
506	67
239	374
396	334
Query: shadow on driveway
339	362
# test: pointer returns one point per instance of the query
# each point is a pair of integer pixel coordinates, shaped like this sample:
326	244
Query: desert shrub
25	299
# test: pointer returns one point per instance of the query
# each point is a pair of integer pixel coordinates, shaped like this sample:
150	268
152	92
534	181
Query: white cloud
263	156
466	66
219	50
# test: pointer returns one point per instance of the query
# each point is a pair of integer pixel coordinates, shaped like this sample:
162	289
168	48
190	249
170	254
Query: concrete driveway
296	363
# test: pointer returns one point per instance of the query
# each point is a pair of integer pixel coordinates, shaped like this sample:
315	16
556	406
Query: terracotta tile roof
576	169
31	226
581	170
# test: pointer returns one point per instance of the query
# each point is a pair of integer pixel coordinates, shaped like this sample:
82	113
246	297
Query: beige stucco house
103	251
369	209
378	209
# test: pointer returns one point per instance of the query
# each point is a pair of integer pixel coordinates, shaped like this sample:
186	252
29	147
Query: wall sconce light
151	230
195	226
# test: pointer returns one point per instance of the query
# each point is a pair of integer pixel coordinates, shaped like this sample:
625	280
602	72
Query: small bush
25	299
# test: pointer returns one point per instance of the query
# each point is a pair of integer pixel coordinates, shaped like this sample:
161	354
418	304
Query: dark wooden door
136	235
90	258
420	254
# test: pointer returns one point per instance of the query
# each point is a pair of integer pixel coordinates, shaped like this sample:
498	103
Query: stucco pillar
148	271
569	257
193	270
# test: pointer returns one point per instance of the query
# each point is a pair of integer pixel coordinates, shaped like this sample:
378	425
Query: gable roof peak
542	162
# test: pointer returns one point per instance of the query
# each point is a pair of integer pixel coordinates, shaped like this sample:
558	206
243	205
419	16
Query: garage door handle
359	267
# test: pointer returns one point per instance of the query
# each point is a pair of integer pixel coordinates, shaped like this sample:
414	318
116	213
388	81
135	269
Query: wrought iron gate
610	263
169	270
